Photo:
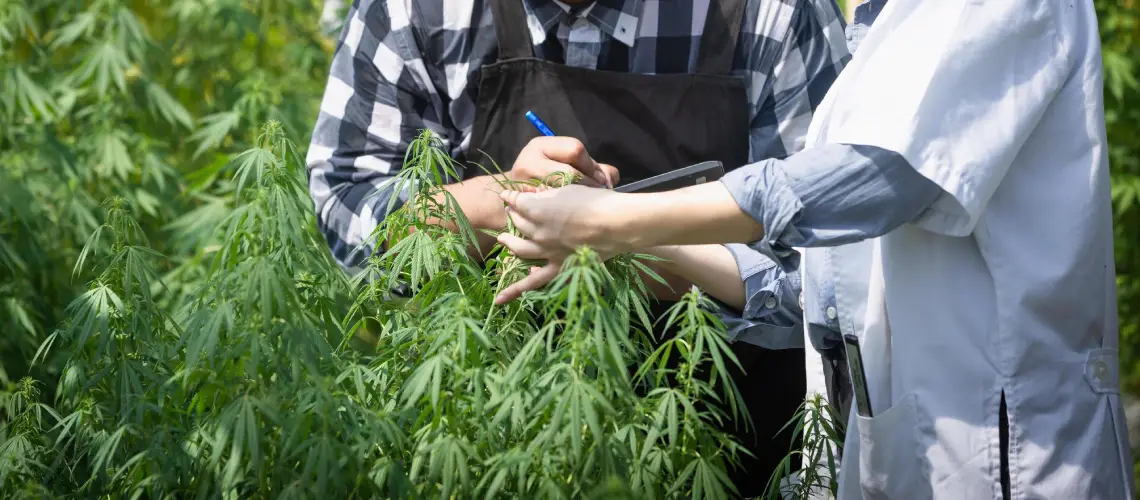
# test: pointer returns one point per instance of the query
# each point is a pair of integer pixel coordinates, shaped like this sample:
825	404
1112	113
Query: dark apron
645	125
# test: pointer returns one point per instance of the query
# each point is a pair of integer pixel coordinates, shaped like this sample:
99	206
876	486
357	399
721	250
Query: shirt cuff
769	290
762	190
771	317
775	338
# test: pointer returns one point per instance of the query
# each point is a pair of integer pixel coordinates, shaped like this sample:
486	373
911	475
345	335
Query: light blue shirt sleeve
772	317
826	196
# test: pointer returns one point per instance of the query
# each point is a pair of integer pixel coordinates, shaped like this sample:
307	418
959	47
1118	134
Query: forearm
827	196
674	286
712	268
697	215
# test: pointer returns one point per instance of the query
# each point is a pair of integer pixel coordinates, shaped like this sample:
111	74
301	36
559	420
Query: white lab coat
1007	283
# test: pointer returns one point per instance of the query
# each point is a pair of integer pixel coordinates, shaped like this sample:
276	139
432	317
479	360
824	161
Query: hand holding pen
606	179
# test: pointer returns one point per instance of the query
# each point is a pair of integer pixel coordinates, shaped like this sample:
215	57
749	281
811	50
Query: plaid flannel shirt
405	65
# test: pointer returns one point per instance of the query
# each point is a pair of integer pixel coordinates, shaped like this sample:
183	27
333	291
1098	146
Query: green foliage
253	388
823	431
129	99
173	326
1120	41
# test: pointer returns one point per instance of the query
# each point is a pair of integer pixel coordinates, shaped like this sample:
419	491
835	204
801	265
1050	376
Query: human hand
557	221
554	223
538	277
544	156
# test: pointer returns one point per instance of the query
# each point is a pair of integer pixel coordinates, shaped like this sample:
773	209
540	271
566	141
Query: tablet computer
683	177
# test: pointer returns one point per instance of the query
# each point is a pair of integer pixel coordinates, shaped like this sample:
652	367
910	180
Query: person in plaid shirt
646	86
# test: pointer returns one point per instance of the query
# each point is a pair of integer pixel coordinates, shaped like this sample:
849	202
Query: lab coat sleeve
956	89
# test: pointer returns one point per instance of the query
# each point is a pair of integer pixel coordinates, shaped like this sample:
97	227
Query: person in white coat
955	187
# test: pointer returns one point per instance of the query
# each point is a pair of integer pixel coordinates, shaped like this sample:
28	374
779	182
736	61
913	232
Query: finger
572	152
534	281
517	202
524	225
544	169
522	248
611	173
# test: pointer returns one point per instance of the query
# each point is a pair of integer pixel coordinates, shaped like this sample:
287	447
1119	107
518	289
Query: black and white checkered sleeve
812	54
374	105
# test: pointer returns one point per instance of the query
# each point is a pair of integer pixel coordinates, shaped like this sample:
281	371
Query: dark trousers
772	385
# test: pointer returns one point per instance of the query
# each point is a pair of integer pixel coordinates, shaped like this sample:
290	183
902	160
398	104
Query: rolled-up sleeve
807	61
828	196
771	317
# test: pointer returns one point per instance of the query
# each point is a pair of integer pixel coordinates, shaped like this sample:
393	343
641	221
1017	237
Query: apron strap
718	40
512	29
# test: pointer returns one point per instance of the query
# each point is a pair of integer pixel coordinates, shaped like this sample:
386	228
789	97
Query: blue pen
538	124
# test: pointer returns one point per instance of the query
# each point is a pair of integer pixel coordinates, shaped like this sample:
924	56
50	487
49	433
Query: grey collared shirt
822	196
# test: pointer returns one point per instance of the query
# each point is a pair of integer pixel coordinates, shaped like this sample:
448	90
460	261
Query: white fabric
1007	284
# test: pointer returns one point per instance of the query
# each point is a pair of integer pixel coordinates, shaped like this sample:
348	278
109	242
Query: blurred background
149	101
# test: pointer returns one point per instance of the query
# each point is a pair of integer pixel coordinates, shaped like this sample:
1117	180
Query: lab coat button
770	303
831	313
801	300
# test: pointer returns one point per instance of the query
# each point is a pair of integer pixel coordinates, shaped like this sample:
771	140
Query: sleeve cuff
763	191
771	317
768	336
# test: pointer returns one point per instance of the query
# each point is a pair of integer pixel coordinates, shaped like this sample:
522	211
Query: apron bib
645	125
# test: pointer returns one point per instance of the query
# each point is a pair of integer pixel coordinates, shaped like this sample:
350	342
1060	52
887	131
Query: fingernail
499	298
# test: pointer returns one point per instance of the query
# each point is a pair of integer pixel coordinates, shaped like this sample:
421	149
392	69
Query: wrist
478	197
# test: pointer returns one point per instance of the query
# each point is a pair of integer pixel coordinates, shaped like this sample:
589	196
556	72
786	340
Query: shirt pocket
892	464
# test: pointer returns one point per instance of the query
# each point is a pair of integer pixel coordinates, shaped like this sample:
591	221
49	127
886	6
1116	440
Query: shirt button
1101	370
770	303
831	313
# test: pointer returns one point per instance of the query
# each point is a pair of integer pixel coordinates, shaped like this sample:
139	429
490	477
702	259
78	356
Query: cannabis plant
822	430
138	100
563	393
260	386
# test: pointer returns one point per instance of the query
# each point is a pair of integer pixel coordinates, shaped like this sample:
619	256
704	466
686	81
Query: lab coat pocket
892	465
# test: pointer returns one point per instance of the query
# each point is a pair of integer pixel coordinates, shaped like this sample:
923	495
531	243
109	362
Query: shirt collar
616	18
